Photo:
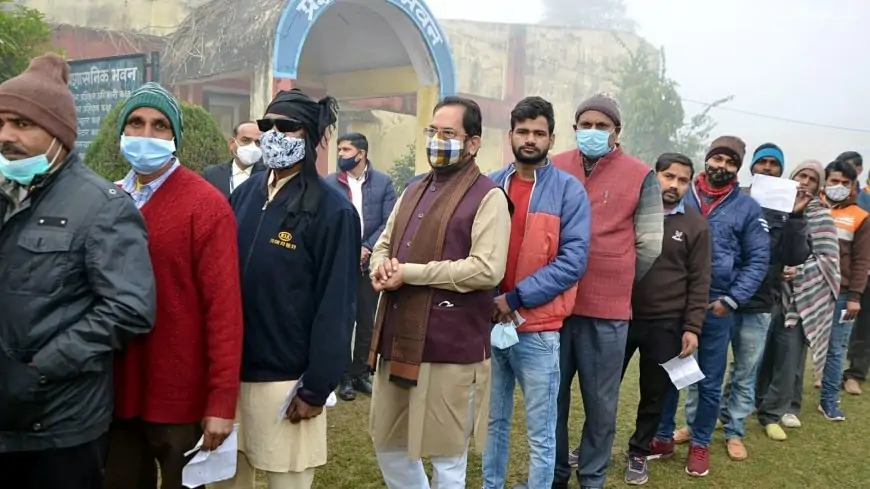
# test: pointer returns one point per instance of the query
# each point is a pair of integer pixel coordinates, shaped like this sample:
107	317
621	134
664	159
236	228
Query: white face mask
838	193
248	155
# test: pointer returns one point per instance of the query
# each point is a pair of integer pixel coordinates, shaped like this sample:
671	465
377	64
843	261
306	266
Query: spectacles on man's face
281	125
444	133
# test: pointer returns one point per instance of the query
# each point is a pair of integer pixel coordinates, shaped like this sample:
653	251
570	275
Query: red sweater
188	366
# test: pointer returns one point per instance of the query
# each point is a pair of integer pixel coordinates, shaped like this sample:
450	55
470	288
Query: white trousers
400	472
245	478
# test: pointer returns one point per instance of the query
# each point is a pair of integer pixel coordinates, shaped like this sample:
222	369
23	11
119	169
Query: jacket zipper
254	240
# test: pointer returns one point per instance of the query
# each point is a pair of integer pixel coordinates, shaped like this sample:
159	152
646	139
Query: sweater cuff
310	397
691	328
731	303
222	404
513	300
853	296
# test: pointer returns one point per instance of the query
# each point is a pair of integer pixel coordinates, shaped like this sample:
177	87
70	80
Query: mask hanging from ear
23	171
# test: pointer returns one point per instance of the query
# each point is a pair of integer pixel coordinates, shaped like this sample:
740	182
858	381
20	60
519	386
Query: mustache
9	148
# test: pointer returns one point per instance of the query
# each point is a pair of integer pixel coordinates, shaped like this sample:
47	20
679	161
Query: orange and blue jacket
555	248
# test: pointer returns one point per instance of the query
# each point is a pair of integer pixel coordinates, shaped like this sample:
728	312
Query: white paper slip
843	316
209	467
778	194
683	371
330	401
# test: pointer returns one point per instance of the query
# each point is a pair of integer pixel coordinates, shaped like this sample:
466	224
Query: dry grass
819	455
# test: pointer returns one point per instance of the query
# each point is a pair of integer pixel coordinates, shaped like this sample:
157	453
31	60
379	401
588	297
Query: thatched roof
222	36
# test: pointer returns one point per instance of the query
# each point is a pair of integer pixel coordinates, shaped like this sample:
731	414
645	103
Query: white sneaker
790	421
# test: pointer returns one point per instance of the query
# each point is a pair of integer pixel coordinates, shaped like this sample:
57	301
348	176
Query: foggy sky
804	60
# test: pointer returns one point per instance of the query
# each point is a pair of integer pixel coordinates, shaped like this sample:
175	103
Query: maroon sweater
188	366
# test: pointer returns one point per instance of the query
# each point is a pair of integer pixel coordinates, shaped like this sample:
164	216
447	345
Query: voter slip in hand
683	371
504	335
209	467
330	401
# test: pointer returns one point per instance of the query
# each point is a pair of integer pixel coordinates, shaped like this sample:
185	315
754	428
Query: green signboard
98	85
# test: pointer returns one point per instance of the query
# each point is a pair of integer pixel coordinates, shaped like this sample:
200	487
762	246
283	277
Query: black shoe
560	485
363	385
345	391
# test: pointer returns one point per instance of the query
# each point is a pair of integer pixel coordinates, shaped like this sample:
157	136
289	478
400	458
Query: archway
363	49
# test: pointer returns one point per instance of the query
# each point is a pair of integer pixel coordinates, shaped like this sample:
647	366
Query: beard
670	197
529	155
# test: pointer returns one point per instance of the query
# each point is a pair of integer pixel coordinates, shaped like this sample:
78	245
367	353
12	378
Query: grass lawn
819	455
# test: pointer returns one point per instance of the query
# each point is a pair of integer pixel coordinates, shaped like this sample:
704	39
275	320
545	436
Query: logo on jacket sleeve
284	240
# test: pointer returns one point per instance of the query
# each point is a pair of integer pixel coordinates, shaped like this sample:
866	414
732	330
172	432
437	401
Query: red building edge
87	43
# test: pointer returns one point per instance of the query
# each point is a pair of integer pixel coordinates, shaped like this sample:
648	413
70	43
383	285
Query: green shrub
203	144
403	169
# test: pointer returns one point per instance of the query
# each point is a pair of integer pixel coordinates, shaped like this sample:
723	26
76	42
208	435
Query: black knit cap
316	116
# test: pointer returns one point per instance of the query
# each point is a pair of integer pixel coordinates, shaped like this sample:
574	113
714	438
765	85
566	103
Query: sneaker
832	412
636	473
736	449
661	449
775	432
790	421
574	457
851	386
682	435
698	462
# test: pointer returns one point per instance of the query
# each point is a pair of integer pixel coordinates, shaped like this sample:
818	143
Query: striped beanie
154	96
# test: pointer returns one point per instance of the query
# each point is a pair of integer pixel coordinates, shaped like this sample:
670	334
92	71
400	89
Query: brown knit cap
41	94
601	102
731	146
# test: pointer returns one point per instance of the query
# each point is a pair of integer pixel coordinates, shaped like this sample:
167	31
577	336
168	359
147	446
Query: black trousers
859	344
658	342
366	303
78	467
785	355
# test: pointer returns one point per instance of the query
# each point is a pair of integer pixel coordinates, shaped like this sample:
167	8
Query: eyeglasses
444	133
281	125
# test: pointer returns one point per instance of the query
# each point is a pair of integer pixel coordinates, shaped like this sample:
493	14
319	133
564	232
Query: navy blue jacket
379	197
741	247
298	287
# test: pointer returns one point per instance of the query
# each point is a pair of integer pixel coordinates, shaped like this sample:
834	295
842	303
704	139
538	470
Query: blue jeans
748	339
835	362
534	363
594	348
712	356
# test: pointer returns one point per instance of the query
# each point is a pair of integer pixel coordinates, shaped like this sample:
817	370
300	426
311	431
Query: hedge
203	144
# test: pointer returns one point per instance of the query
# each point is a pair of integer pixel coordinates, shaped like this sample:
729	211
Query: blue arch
300	15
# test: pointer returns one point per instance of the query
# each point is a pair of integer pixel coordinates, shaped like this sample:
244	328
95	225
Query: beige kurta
275	445
433	419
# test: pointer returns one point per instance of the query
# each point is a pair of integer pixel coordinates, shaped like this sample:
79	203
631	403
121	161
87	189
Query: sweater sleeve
860	265
337	262
216	262
796	245
699	278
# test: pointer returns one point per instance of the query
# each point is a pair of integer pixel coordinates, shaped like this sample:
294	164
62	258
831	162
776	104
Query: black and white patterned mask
280	151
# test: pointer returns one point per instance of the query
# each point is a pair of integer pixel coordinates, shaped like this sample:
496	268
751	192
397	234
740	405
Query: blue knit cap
154	96
769	150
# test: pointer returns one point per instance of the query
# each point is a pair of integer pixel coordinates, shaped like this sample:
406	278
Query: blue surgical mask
347	164
146	155
25	170
593	143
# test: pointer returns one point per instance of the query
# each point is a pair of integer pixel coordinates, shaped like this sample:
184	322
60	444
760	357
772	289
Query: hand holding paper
504	335
683	371
208	467
778	194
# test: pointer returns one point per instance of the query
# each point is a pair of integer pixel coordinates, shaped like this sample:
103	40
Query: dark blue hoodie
298	286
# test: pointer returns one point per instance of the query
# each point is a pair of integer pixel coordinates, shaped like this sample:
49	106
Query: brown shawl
412	320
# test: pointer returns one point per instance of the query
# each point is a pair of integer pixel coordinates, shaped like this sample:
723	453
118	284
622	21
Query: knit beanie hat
769	150
602	102
41	95
813	165
154	96
730	146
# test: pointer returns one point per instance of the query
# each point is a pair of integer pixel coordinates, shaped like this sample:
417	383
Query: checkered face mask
443	152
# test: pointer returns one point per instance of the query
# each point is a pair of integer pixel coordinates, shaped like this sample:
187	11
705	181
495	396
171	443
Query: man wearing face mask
77	285
299	245
245	148
373	197
741	257
853	230
627	222
547	253
438	262
181	381
789	246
